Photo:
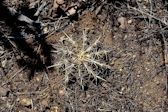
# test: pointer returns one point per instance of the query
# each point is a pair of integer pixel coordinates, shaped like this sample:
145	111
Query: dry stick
98	94
149	15
166	61
8	39
32	105
12	107
130	69
144	15
40	8
34	92
14	75
52	32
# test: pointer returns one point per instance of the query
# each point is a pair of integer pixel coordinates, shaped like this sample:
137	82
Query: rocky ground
89	56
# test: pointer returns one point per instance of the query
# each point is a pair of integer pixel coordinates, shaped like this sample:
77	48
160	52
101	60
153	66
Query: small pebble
4	63
37	79
134	56
45	102
18	57
157	82
56	108
60	1
123	22
71	12
55	6
62	92
144	7
129	21
45	30
25	102
4	91
138	75
120	69
140	103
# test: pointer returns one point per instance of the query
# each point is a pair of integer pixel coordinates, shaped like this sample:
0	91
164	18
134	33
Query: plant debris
83	55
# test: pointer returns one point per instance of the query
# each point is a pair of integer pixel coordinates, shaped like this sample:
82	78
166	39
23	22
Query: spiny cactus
80	58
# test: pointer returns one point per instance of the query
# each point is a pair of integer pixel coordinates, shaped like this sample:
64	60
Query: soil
90	56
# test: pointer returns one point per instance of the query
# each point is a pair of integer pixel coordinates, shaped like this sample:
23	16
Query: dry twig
14	76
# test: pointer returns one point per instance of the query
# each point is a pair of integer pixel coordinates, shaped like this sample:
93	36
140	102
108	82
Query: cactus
80	58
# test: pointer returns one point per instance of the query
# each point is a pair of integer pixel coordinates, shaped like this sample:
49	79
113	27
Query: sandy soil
90	56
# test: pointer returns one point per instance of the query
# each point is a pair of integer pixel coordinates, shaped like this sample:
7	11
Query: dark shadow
34	60
30	58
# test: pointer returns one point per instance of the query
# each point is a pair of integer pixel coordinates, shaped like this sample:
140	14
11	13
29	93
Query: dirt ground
89	56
